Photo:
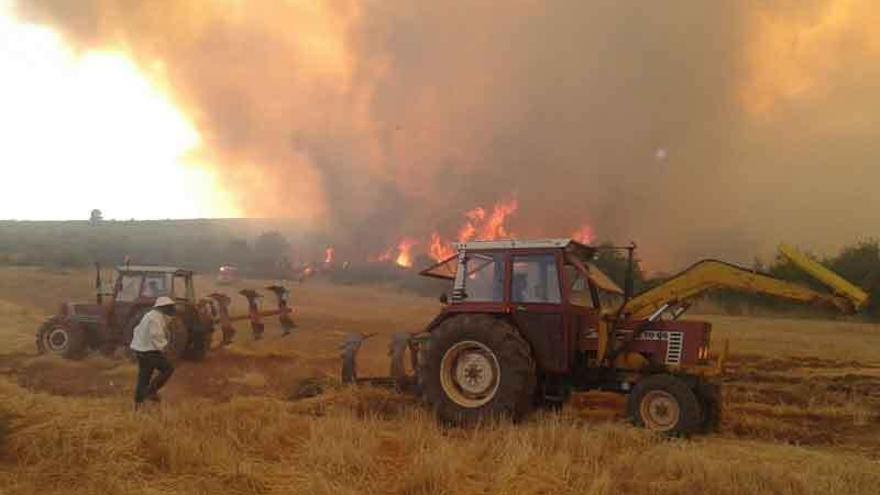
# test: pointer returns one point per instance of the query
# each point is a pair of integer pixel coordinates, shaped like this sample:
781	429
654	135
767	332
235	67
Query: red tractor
108	323
528	322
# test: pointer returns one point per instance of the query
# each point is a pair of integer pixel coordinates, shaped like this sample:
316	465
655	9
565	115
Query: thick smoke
694	128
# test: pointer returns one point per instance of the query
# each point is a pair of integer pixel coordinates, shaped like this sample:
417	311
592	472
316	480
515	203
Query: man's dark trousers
148	362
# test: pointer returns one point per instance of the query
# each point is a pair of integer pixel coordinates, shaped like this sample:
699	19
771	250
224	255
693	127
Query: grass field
802	414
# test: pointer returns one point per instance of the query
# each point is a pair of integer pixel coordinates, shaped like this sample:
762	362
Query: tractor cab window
535	279
484	278
129	288
157	284
578	287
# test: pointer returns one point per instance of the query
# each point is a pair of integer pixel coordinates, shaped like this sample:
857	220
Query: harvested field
802	414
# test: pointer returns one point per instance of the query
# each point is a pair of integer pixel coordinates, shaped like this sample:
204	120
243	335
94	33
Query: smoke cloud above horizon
693	128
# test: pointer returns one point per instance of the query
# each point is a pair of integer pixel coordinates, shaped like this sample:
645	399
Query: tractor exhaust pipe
99	285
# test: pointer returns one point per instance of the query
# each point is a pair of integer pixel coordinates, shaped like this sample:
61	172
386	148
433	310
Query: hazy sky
695	128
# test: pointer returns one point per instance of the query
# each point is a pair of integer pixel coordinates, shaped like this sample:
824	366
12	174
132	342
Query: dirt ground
798	393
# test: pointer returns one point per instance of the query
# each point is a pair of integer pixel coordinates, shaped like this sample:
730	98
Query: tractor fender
440	318
447	314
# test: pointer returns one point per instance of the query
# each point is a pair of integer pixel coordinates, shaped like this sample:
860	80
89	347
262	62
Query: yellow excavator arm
712	274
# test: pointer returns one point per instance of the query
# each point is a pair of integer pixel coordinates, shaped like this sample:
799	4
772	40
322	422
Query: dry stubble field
802	415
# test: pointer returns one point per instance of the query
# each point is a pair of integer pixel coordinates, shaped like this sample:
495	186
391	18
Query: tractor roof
152	269
446	269
571	246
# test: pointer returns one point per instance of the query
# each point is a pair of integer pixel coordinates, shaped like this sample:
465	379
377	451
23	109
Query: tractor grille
674	347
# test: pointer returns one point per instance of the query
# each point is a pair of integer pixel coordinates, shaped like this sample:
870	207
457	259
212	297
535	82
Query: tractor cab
138	286
143	284
518	273
564	306
549	288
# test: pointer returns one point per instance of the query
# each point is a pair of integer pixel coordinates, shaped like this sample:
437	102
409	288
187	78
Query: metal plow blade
214	310
400	379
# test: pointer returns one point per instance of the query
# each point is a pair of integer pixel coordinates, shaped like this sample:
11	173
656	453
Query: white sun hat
163	301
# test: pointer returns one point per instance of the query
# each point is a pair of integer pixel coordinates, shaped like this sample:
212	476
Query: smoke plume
694	128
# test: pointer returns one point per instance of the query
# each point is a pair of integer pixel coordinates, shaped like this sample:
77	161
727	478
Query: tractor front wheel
59	335
477	367
665	404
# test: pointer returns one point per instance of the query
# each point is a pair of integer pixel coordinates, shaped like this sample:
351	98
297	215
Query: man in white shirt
149	340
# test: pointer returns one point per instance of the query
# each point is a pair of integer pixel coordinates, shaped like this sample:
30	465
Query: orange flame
440	250
404	250
493	227
584	234
479	225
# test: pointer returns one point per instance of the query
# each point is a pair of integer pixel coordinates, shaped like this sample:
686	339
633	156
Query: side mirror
444	298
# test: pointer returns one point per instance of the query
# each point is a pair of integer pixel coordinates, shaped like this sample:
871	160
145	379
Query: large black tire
198	344
665	404
178	338
476	368
709	395
62	336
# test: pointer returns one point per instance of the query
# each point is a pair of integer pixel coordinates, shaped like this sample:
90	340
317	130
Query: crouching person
148	343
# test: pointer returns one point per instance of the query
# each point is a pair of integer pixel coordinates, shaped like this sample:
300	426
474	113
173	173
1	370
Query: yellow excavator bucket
835	282
710	274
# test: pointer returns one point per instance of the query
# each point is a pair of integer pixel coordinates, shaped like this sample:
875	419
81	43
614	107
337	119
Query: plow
107	324
526	323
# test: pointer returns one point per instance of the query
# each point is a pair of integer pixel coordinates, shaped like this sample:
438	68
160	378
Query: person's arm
157	332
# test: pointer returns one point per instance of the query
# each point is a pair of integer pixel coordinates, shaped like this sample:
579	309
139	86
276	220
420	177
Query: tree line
204	245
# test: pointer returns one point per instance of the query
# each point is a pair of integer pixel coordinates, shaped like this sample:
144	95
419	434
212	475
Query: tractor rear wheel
62	336
665	404
178	336
199	341
477	367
